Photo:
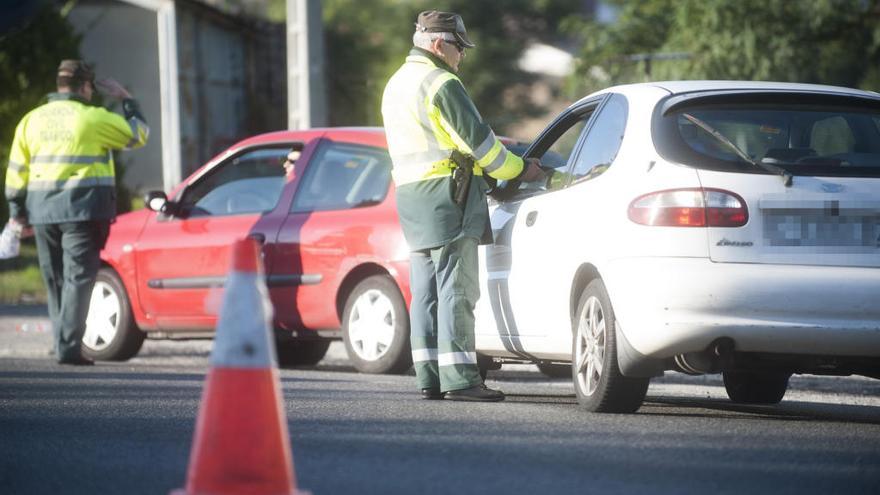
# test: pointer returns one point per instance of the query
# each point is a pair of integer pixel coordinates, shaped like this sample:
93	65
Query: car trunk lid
816	221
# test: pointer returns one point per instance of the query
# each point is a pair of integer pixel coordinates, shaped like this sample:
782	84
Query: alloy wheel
371	325
102	322
590	346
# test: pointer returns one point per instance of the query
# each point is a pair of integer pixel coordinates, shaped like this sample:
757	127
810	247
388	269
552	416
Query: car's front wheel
598	382
749	387
375	327
111	333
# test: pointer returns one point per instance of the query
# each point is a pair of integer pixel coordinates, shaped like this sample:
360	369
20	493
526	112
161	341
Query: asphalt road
127	428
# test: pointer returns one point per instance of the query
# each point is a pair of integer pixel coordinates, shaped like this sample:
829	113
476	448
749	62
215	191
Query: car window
343	176
555	151
603	140
807	134
831	135
247	183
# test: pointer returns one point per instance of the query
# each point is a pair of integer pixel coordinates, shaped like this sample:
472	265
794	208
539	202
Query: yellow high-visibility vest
421	133
61	166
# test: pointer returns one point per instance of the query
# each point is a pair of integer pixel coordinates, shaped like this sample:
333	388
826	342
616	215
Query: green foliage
20	279
28	60
367	40
816	41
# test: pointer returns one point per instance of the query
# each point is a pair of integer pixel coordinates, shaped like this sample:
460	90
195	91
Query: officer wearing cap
442	151
61	180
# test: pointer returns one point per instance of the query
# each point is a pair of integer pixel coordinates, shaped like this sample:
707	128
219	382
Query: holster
461	176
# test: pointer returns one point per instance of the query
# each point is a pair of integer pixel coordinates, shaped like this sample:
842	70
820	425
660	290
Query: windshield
828	141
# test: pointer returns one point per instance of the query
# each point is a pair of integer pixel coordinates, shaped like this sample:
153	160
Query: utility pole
306	95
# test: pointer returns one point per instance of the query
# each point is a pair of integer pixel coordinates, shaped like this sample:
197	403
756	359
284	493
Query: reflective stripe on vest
140	132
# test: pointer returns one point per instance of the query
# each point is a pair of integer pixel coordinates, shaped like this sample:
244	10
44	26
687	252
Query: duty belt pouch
461	177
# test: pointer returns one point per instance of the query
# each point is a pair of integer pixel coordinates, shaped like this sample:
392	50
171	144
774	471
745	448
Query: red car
336	260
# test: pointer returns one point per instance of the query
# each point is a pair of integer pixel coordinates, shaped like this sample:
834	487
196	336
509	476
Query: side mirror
158	202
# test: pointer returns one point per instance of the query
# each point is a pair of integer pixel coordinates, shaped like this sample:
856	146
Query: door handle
531	217
257	236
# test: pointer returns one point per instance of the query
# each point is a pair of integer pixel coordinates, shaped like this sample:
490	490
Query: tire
292	353
553	370
598	382
111	333
747	387
375	327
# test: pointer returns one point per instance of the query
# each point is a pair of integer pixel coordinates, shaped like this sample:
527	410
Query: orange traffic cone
241	443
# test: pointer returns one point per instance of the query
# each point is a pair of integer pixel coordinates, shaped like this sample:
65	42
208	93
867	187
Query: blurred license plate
821	227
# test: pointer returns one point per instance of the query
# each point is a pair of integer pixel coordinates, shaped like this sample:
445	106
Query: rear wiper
773	169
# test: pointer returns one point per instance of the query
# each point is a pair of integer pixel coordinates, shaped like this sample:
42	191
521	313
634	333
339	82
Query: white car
700	226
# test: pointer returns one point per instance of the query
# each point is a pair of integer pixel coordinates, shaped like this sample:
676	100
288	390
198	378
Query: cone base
241	439
182	491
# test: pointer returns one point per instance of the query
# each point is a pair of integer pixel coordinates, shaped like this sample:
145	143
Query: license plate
828	227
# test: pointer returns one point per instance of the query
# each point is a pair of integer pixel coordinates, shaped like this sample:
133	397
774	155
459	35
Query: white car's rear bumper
669	306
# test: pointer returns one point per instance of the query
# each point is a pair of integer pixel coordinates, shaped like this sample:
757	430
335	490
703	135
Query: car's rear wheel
301	352
375	327
111	333
749	387
598	382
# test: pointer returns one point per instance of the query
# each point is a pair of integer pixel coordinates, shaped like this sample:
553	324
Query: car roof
681	87
298	134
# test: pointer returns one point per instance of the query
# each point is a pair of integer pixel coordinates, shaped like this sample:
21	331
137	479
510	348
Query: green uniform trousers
69	256
445	287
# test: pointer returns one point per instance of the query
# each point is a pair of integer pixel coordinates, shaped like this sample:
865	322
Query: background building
205	78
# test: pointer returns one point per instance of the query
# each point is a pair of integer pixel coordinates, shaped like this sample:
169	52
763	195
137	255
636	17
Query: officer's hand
533	172
112	89
26	230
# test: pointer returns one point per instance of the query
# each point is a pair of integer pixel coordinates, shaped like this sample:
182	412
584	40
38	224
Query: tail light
694	207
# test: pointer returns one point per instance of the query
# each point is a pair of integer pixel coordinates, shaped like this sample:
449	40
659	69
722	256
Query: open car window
555	147
248	183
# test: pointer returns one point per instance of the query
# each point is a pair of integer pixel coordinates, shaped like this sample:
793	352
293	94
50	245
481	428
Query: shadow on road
786	410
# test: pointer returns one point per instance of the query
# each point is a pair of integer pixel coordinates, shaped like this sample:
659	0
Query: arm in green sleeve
463	122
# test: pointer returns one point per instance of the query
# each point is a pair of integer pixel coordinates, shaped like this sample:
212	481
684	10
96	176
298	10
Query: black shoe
432	394
77	361
477	393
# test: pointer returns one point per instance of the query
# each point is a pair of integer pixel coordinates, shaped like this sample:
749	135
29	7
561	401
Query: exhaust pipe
707	361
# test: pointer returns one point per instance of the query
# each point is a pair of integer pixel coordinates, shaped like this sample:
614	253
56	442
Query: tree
367	40
816	41
29	59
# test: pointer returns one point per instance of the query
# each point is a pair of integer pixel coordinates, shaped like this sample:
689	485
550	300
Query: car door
182	259
336	214
542	227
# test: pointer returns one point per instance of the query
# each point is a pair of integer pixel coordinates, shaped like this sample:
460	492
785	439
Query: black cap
434	21
77	70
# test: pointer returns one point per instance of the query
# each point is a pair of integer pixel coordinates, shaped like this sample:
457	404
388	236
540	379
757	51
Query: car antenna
773	169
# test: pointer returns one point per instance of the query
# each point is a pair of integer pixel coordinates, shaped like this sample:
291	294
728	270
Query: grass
20	280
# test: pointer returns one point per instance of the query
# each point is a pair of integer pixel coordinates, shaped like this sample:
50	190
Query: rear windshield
808	138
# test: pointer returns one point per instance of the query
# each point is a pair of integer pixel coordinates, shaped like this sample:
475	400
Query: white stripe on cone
243	338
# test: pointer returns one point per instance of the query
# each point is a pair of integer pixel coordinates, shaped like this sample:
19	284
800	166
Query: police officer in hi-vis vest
61	180
441	150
